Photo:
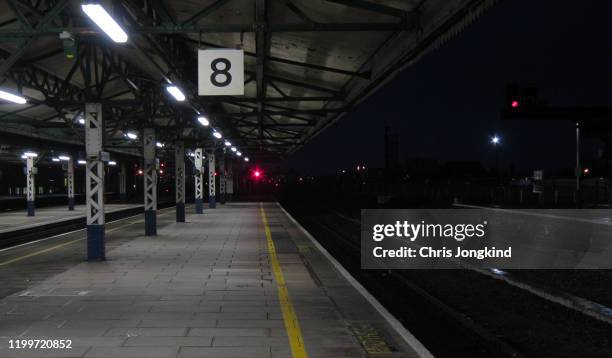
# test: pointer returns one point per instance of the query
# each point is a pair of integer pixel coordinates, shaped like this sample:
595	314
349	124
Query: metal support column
229	180
179	174
123	183
222	178
94	182
150	182
70	183
199	182
30	185
212	203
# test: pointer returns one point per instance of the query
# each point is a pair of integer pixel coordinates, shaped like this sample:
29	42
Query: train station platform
18	219
242	280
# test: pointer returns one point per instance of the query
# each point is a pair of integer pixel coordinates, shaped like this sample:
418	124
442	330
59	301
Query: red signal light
514	104
257	174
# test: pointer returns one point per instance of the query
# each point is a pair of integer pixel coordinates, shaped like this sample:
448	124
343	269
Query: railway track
22	236
439	314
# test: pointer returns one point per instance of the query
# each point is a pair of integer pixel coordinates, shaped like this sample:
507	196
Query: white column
212	201
70	183
222	174
199	185
150	182
229	180
30	185
179	175
94	182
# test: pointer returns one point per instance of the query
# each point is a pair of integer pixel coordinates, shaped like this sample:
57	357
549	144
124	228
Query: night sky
446	107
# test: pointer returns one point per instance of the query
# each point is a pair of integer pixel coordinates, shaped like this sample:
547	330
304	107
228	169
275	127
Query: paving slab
204	288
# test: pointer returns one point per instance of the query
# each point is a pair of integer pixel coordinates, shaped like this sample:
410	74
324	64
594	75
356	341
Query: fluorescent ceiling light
234	149
131	135
176	93
81	121
81	161
203	121
112	162
228	143
64	157
105	22
30	155
238	153
246	159
12	98
159	144
217	135
55	159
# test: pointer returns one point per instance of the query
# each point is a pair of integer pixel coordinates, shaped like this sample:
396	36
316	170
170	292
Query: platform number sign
220	72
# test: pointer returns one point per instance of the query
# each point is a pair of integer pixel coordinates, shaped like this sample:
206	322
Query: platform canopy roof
307	64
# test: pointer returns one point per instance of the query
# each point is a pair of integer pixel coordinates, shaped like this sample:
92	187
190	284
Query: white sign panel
220	72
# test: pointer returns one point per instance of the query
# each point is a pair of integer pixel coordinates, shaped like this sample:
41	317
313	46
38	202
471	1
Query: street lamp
496	141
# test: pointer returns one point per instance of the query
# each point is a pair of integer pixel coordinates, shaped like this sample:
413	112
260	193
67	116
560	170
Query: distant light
514	104
159	145
191	154
161	171
257	173
586	170
105	22
176	93
203	121
234	149
12	98
64	158
112	162
55	159
140	172
217	135
81	161
30	155
81	120
246	159
238	153
495	140
498	272
228	143
131	135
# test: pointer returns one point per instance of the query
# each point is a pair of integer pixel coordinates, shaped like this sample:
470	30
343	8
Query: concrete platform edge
408	337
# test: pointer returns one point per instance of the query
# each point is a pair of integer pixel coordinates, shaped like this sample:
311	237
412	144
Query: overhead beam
372	7
202	14
216	27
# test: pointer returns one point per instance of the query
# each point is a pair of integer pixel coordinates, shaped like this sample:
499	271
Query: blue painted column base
212	203
71	204
150	222
31	208
222	198
180	212
199	206
95	243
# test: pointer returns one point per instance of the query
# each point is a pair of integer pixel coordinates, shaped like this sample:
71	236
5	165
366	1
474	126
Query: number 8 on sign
220	72
226	66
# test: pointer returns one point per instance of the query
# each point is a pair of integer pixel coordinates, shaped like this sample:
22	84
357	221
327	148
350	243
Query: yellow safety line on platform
36	253
296	341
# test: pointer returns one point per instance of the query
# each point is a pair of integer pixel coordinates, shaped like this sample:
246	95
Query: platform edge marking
292	326
408	337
